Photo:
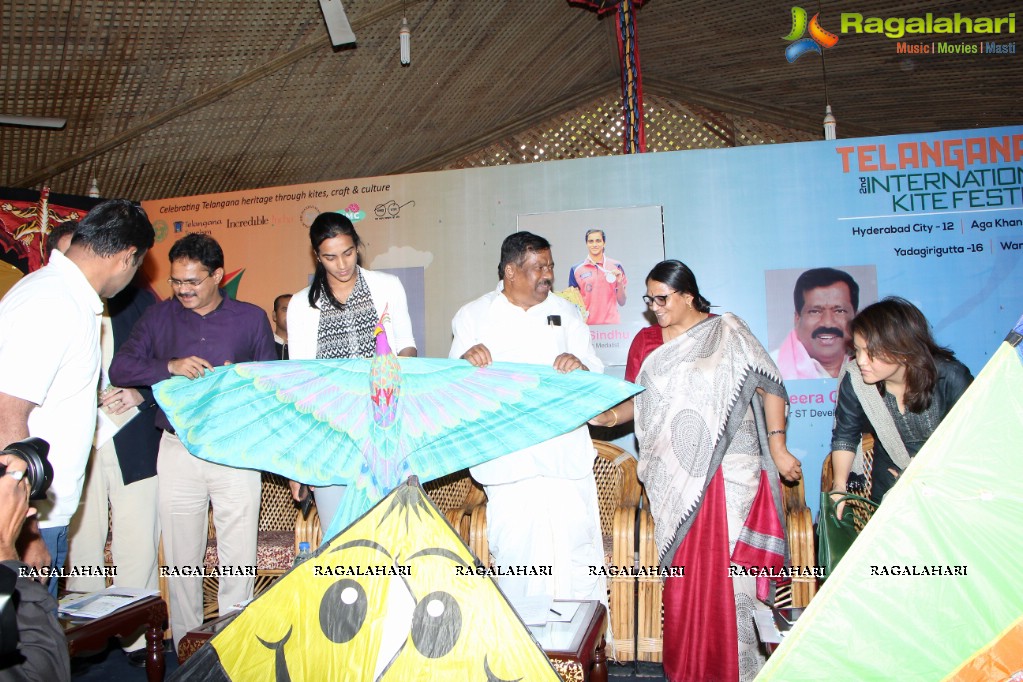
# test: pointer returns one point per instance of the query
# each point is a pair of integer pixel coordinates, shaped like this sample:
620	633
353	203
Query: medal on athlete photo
609	275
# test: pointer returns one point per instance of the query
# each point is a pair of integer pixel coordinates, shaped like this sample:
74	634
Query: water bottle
303	553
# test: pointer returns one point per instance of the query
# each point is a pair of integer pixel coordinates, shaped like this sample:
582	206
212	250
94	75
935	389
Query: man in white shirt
542	510
50	359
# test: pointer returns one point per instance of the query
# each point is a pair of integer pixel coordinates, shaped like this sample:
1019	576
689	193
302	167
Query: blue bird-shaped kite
371	423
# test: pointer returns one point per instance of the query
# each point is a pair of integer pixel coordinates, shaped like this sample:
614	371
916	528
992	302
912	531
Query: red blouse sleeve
643	344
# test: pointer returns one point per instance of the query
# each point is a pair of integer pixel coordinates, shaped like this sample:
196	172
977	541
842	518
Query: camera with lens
39	474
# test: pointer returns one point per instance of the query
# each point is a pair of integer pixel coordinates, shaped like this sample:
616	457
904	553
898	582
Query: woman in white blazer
334	317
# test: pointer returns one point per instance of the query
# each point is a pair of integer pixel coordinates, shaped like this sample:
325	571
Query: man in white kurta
542	508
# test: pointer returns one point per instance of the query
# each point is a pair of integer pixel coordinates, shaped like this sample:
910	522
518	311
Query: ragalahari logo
818	36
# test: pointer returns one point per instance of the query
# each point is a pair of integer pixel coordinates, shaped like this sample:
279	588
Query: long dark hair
895	330
327	226
679	277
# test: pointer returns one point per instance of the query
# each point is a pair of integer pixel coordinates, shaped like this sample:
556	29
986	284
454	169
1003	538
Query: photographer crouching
32	643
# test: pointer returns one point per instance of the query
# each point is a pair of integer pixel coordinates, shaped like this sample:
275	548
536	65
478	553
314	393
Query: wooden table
92	636
575	648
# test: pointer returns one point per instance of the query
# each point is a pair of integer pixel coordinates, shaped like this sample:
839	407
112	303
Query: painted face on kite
453	623
394	597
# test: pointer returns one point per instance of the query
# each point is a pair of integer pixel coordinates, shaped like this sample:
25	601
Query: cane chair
634	601
282	528
456	496
861	511
799	529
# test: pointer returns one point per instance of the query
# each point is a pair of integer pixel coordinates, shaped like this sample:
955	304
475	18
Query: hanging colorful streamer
632	83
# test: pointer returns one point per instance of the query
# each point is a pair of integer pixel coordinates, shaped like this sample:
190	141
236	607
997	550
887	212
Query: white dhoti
553	525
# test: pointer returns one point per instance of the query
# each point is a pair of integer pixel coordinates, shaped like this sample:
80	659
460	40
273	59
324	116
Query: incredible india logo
903	30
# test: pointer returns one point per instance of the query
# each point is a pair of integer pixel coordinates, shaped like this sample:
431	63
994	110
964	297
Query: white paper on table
766	627
533	610
99	604
562	611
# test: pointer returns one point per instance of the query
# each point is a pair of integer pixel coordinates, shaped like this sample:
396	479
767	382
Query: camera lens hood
39	471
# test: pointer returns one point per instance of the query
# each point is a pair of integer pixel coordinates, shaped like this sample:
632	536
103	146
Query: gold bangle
615	415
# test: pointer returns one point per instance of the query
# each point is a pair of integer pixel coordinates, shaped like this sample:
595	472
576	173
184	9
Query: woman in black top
899	389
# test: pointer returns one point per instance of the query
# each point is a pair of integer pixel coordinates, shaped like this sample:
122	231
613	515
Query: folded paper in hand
108	424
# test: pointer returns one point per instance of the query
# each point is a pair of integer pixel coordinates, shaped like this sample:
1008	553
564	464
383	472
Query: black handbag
836	535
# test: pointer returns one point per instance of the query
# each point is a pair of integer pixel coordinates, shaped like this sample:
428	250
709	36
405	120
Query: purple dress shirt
234	332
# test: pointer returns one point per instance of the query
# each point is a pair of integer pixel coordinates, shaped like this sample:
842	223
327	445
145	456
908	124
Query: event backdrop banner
936	218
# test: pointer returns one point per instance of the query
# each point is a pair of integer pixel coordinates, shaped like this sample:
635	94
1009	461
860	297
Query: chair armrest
799	528
163	585
799	523
827	474
632	490
625	531
460	517
649	631
478	544
622	588
307	529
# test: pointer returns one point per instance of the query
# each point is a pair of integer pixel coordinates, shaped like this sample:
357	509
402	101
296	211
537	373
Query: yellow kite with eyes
393	597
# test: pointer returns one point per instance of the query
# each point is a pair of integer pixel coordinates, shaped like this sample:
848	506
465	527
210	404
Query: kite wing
301	419
319	422
455	415
931	586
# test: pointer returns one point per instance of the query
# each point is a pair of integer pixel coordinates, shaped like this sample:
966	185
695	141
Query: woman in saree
336	315
711	431
900	387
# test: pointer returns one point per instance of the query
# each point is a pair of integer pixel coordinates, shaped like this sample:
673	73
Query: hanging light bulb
94	189
405	41
830	124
